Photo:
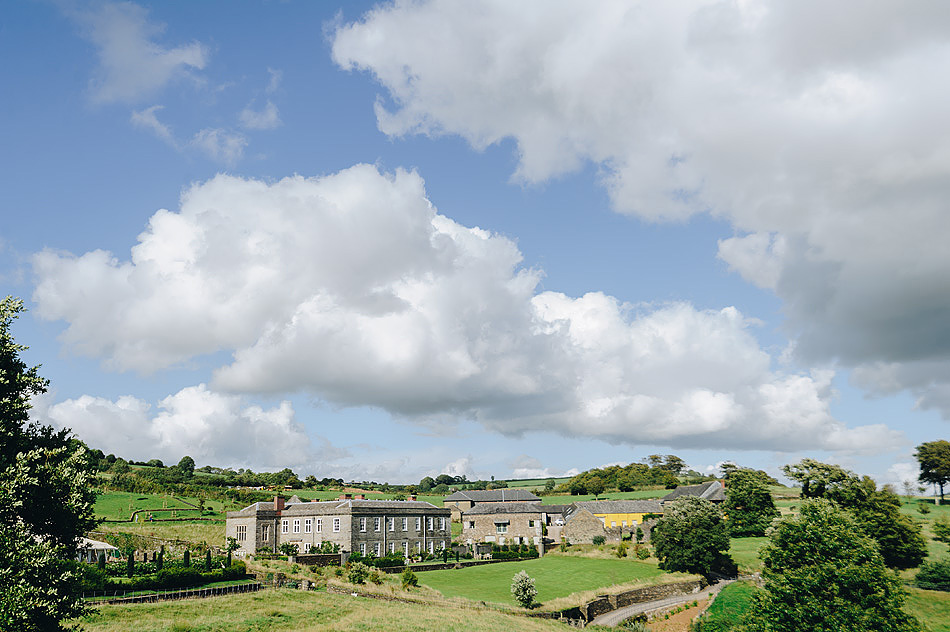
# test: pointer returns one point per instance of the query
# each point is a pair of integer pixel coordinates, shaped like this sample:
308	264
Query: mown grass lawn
301	611
554	577
730	606
745	551
931	607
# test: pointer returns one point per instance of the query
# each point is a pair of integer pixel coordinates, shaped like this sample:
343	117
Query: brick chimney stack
346	496
412	496
360	497
278	503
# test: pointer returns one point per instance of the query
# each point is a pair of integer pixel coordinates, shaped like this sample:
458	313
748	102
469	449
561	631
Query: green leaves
692	537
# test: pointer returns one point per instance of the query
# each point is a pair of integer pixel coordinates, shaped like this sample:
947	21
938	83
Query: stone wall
609	603
583	527
522	528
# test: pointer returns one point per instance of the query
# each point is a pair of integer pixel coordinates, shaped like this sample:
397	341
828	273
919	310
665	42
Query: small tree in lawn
522	588
409	579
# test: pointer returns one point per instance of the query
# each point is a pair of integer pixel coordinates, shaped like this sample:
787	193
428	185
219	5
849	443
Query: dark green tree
595	485
823	574
46	499
693	537
816	478
934	459
186	466
749	505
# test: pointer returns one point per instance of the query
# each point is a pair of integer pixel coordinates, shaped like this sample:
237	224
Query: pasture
555	576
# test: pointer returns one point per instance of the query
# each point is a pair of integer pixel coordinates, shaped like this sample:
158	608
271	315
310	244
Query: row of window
308	526
378	547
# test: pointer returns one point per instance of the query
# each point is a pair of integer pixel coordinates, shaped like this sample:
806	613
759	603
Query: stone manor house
367	527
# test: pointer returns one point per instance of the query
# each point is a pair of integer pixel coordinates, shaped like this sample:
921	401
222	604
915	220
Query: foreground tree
749	505
823	574
877	511
45	500
693	537
934	459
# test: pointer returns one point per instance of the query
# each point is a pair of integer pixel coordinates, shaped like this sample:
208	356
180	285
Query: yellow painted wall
629	518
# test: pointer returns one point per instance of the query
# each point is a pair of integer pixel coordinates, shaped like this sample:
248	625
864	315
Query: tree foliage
522	588
934	460
45	499
877	511
693	537
749	505
823	574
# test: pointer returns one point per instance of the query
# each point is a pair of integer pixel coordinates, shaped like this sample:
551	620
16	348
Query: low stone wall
609	603
441	567
318	559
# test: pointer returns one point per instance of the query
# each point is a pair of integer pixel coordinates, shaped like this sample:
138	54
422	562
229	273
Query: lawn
196	532
730	606
745	551
931	607
555	576
120	505
299	611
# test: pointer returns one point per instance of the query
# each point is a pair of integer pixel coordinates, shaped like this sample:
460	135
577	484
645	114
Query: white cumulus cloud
354	288
818	130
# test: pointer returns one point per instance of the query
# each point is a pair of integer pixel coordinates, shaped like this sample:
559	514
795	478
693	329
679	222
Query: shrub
598	540
934	576
376	576
358	573
621	550
923	508
642	551
522	587
409	579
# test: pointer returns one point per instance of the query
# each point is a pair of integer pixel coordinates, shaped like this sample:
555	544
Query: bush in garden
598	540
934	576
409	579
522	588
358	573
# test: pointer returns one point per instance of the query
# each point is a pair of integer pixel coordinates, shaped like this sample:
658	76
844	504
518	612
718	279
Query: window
431	546
418	546
501	528
613	523
442	524
362	548
392	547
530	524
405	524
297	526
265	532
376	546
392	524
623	523
471	524
362	524
306	547
405	548
442	545
376	523
319	525
285	526
336	525
418	524
242	533
430	523
308	525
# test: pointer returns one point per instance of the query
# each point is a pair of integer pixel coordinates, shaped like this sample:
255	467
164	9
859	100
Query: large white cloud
817	129
213	428
352	287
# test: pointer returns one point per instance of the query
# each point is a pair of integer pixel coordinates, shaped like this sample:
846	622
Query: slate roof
341	506
503	495
504	508
711	490
620	506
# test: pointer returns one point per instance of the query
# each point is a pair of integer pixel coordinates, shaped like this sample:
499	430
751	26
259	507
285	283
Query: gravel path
616	616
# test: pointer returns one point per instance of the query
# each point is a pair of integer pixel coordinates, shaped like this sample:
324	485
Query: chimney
346	496
360	497
412	496
278	503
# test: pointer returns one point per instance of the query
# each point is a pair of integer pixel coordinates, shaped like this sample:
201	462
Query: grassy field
931	607
121	505
299	611
555	576
196	532
731	604
745	551
639	494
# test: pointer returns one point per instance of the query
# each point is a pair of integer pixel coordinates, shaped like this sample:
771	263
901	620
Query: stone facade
368	527
464	500
582	527
504	523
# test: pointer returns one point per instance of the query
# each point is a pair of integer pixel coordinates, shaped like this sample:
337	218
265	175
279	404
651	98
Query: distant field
535	483
309	494
554	576
121	505
197	532
745	551
288	610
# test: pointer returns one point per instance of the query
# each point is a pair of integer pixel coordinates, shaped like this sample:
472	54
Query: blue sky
388	241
